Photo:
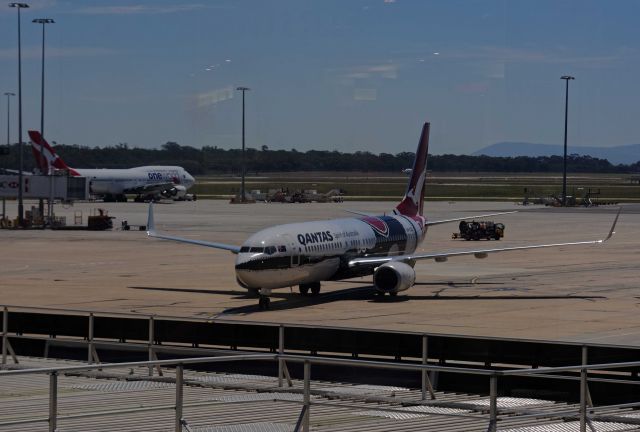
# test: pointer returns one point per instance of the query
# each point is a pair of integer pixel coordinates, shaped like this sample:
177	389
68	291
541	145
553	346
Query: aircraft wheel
264	302
393	294
315	288
304	289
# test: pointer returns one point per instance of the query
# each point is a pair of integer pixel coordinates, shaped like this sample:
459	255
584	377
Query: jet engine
394	277
175	192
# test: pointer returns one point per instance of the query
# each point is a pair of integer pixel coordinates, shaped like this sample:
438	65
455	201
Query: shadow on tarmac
293	300
242	294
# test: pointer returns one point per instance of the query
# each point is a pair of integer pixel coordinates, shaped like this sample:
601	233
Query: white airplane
305	254
147	182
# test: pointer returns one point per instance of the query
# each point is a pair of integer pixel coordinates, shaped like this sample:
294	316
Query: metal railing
308	361
282	324
282	358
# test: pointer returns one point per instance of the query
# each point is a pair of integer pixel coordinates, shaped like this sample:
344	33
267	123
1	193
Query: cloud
139	9
365	94
212	97
388	71
36	53
514	55
34	5
472	87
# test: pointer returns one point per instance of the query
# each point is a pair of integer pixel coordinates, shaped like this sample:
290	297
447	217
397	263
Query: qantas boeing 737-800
147	182
305	254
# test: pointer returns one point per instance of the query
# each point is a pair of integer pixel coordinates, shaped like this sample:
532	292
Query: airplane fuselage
310	252
120	181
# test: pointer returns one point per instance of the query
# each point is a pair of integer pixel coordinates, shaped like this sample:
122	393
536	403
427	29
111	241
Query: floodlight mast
20	156
567	78
242	195
42	21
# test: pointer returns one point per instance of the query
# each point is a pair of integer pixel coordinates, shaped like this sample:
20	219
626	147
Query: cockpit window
282	248
244	249
270	250
256	250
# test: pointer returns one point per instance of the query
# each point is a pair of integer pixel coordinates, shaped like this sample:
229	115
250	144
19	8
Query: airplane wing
151	188
16	172
429	223
151	232
478	253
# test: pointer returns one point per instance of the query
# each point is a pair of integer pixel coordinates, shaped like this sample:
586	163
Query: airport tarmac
589	294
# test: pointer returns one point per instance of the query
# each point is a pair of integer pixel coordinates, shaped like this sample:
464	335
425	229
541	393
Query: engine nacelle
394	277
175	192
179	192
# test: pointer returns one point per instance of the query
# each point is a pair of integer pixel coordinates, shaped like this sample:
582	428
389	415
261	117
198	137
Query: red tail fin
413	202
45	156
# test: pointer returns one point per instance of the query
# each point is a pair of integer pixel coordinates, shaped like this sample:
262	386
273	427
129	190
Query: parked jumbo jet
147	182
305	254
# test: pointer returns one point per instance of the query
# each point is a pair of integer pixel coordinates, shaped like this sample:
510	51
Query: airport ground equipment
126	226
61	187
479	230
99	220
585	385
54	187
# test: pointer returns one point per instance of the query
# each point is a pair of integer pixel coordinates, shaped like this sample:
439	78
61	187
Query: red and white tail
46	157
413	202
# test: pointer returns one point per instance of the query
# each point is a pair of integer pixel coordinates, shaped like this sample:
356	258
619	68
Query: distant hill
625	154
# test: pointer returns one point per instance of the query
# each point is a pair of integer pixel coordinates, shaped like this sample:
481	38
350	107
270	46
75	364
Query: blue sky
327	74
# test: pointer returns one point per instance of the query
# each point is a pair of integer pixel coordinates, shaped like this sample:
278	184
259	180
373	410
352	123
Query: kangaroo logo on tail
45	156
413	202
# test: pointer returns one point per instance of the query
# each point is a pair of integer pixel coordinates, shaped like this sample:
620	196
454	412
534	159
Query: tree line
214	160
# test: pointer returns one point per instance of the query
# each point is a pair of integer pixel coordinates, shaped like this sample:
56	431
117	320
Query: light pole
20	204
566	78
242	199
8	95
42	21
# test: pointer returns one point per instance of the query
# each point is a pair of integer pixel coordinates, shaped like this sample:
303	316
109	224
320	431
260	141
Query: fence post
179	396
586	362
5	333
583	391
280	351
307	396
150	343
90	338
426	381
424	371
493	403
53	401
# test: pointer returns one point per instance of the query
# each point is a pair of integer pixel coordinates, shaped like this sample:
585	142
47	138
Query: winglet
151	226
612	231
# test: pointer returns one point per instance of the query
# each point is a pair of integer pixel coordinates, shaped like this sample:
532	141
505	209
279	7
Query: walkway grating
128	400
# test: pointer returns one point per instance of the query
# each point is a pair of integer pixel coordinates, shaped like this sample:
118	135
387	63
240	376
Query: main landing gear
314	287
264	301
